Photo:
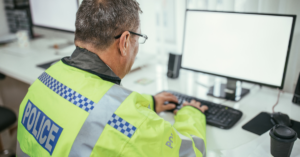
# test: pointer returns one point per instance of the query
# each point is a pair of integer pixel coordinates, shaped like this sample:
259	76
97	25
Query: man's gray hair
99	21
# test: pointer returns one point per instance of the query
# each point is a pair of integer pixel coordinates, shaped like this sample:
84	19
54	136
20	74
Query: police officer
78	108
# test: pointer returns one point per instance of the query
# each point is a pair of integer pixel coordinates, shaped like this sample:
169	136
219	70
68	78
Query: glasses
141	40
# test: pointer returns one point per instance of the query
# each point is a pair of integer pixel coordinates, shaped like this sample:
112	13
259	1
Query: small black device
174	65
281	118
296	98
217	115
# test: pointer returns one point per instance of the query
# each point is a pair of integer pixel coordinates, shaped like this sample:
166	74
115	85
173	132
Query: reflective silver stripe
19	151
186	148
149	106
97	120
199	143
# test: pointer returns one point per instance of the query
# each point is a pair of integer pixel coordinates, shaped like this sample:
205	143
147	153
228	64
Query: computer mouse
170	102
280	118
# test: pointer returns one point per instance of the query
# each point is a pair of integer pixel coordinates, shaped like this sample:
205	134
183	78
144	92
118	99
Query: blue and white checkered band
67	93
121	125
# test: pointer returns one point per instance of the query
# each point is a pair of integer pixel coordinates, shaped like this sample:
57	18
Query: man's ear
124	43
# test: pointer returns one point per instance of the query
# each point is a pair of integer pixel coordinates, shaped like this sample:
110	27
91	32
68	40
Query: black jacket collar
90	62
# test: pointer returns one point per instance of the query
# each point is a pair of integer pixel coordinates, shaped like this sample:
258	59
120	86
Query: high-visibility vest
71	112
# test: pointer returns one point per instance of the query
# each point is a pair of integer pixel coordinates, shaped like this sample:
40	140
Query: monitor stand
231	91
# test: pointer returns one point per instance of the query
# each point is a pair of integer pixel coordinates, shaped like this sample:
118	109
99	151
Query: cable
276	101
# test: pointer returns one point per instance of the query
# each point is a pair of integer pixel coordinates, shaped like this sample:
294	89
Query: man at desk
78	108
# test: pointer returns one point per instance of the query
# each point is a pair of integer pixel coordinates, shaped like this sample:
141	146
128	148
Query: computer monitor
54	14
247	47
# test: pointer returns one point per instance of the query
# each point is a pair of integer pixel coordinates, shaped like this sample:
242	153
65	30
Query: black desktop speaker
296	98
174	65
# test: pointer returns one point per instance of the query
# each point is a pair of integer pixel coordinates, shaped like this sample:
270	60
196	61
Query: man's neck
108	56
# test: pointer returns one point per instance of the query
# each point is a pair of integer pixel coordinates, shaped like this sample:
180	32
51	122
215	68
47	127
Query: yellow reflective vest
71	112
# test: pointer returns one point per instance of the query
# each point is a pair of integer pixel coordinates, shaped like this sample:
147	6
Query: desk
23	68
191	83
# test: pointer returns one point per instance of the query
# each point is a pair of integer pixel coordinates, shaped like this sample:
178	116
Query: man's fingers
185	103
169	106
193	101
203	108
167	94
171	99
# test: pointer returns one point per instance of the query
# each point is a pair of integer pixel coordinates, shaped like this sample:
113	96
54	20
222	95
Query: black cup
282	140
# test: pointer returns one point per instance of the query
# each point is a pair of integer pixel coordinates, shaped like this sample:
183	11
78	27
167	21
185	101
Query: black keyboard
217	115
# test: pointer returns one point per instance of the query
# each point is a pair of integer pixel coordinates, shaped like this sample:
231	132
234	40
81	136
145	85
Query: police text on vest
45	131
169	143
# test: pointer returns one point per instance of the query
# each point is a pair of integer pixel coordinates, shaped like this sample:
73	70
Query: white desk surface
24	69
23	66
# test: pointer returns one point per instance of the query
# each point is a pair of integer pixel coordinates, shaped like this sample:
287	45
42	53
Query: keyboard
217	115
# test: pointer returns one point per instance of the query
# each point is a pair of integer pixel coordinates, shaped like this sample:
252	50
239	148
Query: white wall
3	23
148	25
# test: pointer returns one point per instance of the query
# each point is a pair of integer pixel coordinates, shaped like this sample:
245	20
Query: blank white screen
58	14
244	46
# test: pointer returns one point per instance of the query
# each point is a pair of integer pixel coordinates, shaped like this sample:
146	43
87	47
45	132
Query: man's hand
161	98
194	104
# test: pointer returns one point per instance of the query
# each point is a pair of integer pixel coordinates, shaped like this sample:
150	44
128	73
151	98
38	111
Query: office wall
3	23
12	93
148	25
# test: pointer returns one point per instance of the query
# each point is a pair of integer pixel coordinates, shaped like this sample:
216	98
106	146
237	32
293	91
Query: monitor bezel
50	28
234	78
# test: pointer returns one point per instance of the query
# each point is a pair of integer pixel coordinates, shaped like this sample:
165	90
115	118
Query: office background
163	22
